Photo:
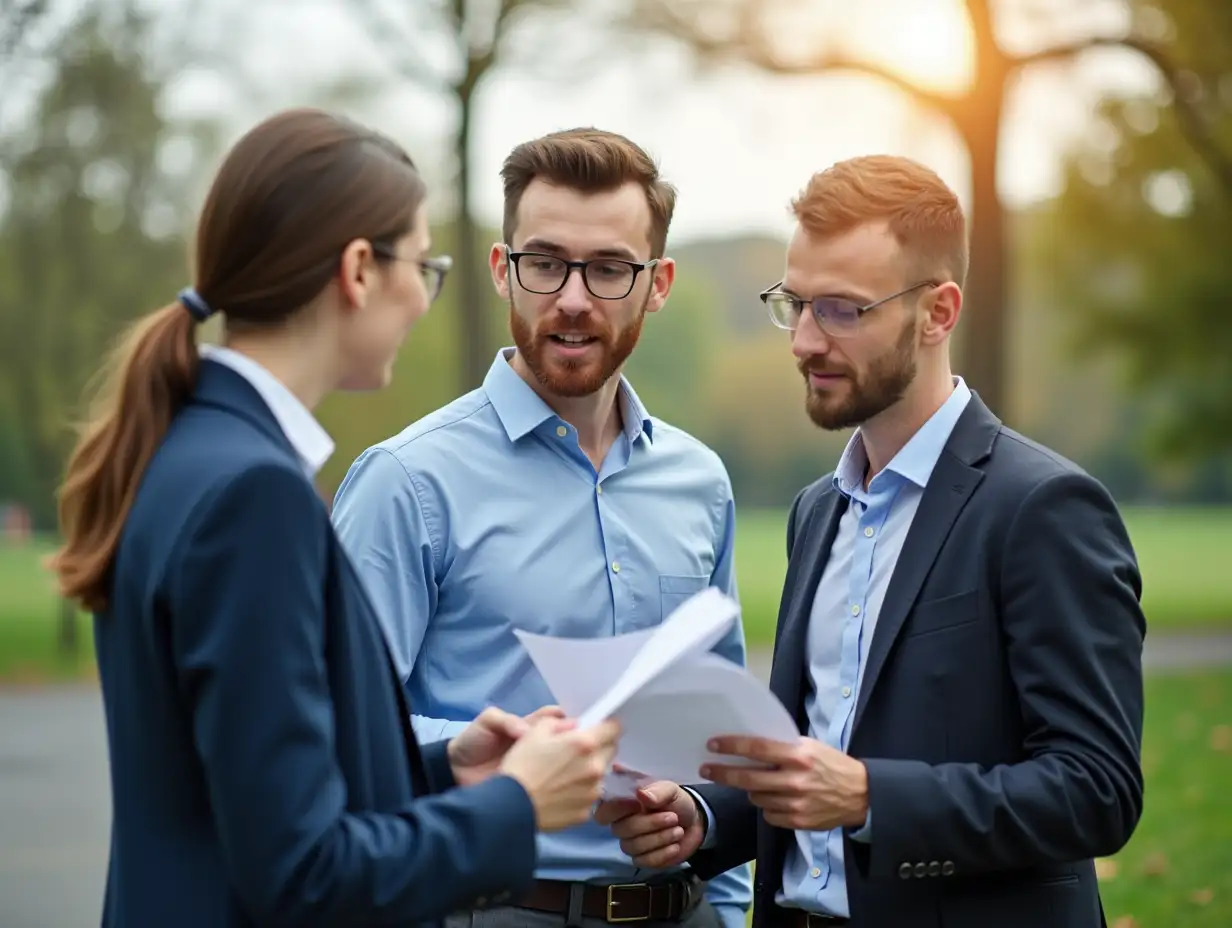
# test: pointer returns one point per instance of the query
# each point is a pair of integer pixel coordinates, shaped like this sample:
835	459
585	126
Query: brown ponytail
289	196
144	383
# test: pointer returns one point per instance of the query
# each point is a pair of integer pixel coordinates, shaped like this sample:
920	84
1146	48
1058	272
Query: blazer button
921	870
934	868
904	871
947	868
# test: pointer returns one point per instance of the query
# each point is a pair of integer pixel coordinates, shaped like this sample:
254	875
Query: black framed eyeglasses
433	270
834	315
605	278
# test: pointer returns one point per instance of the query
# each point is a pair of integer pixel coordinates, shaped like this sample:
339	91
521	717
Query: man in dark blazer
959	637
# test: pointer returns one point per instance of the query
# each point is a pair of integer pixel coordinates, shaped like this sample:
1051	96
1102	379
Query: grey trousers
703	916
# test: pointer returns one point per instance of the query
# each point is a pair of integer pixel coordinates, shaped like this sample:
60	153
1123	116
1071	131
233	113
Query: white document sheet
670	693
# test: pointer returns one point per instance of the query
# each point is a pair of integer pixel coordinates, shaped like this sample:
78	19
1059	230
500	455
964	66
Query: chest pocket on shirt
675	589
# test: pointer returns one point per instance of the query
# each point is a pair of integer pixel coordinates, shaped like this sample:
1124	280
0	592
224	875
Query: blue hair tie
196	306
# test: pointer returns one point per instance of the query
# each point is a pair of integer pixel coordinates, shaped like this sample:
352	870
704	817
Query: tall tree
92	233
751	31
451	47
1136	247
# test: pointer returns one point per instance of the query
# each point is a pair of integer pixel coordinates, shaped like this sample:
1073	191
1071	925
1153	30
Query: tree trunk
982	355
475	349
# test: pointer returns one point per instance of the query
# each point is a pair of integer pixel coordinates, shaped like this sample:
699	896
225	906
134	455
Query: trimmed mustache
808	367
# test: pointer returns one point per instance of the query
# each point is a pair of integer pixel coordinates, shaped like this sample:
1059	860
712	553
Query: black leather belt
666	901
798	918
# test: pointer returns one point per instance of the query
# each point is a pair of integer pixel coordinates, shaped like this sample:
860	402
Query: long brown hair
288	198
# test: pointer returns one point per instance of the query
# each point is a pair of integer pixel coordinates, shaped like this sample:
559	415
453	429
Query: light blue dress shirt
849	595
486	516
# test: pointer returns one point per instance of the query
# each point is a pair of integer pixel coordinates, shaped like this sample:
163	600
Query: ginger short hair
592	161
920	210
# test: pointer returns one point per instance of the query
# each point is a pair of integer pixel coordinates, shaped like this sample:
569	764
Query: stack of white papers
670	693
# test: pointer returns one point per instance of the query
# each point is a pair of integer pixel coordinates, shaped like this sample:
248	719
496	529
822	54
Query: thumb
505	723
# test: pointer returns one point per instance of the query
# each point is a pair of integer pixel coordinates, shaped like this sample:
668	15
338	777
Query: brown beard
884	384
574	378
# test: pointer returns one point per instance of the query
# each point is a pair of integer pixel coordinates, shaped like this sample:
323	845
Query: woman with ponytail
263	766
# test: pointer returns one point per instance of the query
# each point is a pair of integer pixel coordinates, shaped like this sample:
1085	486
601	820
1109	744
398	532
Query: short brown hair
289	197
921	211
590	160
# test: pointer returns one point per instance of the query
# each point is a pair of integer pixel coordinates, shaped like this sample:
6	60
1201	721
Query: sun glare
928	42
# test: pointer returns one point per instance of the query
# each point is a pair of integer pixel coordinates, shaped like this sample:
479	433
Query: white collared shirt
306	435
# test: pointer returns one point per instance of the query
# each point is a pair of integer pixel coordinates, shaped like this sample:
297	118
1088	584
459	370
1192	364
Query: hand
661	828
475	753
809	787
561	768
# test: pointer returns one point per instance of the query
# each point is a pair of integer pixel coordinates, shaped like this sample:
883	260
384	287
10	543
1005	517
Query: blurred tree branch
720	31
450	47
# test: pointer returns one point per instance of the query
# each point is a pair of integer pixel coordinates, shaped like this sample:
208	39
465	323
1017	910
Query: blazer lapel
953	480
809	556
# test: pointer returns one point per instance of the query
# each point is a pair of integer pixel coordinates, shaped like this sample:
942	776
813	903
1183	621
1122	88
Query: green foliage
91	236
1140	247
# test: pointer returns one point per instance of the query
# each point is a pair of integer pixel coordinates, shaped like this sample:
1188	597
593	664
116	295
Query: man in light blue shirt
550	500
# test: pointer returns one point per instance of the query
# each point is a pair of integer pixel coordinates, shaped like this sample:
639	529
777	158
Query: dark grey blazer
1000	716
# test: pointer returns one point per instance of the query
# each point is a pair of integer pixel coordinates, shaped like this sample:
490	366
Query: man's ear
942	305
661	284
498	264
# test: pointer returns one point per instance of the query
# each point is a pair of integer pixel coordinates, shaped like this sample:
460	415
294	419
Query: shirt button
846	692
815	872
561	431
855	609
868	532
599	490
615	567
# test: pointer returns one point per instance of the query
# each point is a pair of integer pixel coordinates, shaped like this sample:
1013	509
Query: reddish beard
882	384
574	377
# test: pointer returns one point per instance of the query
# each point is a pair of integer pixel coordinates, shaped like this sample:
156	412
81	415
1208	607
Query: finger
607	732
649	843
545	712
661	859
611	811
765	750
784	803
503	723
658	795
752	779
637	826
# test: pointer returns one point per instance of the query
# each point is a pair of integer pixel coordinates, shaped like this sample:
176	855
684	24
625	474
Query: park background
1090	141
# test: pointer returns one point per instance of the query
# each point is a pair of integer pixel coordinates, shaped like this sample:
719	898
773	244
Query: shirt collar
306	435
521	410
916	459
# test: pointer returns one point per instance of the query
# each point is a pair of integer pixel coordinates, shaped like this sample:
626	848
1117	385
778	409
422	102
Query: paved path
55	805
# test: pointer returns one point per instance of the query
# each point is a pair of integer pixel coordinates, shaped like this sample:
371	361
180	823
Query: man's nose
808	340
574	298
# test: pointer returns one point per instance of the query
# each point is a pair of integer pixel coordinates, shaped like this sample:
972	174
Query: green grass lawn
1187	583
1177	869
1183	554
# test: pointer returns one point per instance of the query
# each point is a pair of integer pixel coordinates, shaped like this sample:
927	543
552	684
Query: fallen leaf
1221	739
1154	864
1106	868
1125	921
1202	896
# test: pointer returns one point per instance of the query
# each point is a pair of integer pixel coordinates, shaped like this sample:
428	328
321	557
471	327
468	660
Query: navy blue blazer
263	767
1000	715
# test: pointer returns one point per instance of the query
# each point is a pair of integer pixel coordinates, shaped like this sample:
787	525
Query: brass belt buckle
612	903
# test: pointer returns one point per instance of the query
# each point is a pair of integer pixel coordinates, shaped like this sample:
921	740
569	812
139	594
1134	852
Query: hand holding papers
665	687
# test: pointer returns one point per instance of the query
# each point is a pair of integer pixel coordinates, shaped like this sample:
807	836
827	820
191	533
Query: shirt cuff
865	832
710	837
